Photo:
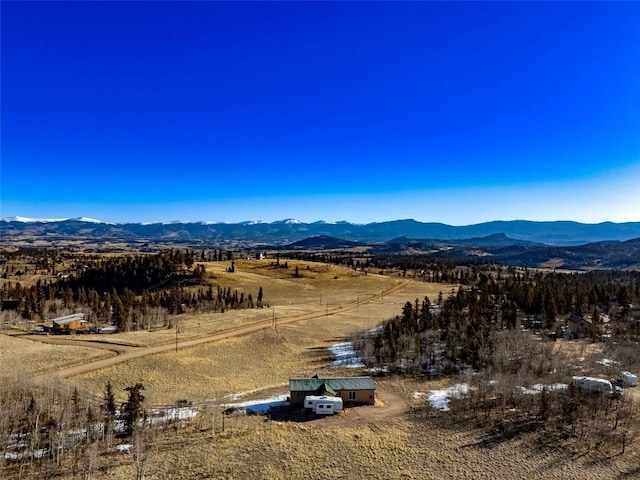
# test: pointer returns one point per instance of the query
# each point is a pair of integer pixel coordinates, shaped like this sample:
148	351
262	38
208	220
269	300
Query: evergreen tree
109	400
132	409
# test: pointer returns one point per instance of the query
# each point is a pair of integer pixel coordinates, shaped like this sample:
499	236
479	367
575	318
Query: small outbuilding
578	327
352	390
69	323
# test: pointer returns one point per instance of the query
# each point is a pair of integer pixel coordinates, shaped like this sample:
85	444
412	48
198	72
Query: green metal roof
334	383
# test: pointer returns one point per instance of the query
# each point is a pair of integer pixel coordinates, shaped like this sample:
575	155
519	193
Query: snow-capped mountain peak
90	220
33	220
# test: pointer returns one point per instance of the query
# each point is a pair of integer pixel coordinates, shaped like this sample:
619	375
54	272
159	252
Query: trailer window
352	395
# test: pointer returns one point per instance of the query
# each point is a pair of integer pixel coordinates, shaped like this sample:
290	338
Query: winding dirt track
125	353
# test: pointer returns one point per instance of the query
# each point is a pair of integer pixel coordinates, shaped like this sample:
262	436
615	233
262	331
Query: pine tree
109	400
132	409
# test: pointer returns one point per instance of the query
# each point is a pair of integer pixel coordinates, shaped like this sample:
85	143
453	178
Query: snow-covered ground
607	362
165	415
537	388
262	406
439	399
345	355
17	446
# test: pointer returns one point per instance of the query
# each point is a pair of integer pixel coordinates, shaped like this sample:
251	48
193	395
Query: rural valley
180	362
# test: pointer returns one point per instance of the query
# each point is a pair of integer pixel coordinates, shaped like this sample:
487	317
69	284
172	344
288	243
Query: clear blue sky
365	111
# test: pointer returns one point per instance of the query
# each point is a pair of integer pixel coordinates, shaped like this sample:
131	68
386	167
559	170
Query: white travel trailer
627	379
593	384
323	404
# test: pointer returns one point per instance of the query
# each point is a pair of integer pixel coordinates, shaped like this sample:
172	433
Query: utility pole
176	336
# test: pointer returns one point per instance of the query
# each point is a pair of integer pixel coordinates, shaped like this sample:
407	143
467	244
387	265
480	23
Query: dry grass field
398	438
21	359
414	443
265	358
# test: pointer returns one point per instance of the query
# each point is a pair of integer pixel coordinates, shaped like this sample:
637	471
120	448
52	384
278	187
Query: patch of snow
378	370
119	426
124	448
261	407
607	362
375	331
40	453
537	388
165	415
16	456
439	399
345	356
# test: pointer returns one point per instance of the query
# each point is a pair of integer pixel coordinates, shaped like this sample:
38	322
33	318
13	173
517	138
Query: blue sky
366	111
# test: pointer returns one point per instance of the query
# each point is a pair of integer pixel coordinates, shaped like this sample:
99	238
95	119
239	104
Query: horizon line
291	221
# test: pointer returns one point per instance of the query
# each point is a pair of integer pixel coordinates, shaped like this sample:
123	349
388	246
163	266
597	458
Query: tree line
516	382
132	292
460	329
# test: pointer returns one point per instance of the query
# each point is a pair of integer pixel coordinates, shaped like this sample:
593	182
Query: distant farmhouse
578	327
352	390
68	323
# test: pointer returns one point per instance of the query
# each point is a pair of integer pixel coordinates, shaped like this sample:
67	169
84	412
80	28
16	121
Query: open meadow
301	318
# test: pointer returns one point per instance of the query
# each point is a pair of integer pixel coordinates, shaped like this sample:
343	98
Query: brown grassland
21	358
398	438
414	443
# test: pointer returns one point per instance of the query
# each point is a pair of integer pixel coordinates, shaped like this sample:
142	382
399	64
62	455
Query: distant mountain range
560	233
567	245
496	248
501	249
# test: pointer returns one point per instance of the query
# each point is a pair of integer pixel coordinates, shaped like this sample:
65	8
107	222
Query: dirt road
126	353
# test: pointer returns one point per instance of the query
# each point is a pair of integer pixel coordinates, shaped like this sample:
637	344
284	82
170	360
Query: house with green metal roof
352	390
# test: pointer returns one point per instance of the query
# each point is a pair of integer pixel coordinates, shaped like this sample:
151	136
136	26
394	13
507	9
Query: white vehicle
627	379
325	408
323	404
593	384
